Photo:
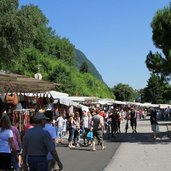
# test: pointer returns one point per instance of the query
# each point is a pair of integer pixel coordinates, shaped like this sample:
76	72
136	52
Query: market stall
20	83
25	95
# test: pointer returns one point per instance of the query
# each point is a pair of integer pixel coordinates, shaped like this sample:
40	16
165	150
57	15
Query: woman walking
72	128
17	142
6	144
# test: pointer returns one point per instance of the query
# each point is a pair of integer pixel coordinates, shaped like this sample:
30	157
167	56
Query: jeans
59	132
38	163
71	134
14	162
76	136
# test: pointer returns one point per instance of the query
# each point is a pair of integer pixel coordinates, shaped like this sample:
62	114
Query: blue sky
115	35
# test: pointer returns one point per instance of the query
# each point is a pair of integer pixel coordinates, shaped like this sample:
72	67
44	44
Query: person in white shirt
64	131
6	143
85	125
59	124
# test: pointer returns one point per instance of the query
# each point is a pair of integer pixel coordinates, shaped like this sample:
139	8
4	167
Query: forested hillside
28	42
80	58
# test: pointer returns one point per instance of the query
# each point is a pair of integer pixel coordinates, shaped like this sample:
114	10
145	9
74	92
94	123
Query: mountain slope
80	58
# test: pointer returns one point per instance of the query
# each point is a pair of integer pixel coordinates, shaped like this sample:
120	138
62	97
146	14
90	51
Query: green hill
80	58
28	42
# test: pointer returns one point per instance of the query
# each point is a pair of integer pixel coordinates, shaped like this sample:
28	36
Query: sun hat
40	116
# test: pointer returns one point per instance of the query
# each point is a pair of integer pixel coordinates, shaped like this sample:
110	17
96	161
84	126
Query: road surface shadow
143	138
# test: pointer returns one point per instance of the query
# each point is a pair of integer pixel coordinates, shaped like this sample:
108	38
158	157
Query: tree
36	24
161	29
123	92
18	30
156	91
62	49
167	94
26	41
8	29
84	67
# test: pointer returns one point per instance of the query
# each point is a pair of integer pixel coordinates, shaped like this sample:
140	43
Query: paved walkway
139	152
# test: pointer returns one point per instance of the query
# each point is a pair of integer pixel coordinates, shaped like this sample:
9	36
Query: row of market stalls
27	95
147	105
34	94
32	87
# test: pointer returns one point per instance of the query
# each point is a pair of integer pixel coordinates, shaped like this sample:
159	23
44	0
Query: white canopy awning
57	94
53	94
106	101
164	106
68	102
119	102
81	98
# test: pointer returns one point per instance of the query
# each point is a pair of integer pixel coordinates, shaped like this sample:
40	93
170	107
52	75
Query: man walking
37	143
133	120
154	123
52	131
98	126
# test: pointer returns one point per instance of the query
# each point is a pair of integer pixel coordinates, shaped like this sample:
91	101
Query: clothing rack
22	116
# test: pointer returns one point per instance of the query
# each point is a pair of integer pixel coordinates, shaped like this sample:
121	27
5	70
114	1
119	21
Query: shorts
98	134
5	159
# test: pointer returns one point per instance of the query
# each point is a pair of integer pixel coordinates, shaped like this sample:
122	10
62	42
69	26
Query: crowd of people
36	149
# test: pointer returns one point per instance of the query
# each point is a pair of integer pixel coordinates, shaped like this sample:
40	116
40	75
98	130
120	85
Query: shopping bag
157	128
90	135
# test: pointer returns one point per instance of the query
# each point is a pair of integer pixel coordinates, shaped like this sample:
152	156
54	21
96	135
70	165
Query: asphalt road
84	159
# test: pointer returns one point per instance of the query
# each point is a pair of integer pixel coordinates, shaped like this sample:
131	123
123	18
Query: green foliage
167	94
62	49
26	41
27	65
86	85
123	92
161	29
155	62
80	58
156	90
84	68
8	30
161	26
61	74
7	6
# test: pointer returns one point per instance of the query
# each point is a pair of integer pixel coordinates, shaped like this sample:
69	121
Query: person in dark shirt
97	124
37	143
133	120
154	123
114	124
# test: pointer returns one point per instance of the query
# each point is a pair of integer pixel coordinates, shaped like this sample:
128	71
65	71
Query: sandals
104	148
71	146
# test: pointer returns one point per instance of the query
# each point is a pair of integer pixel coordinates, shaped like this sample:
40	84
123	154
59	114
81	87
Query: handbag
11	98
